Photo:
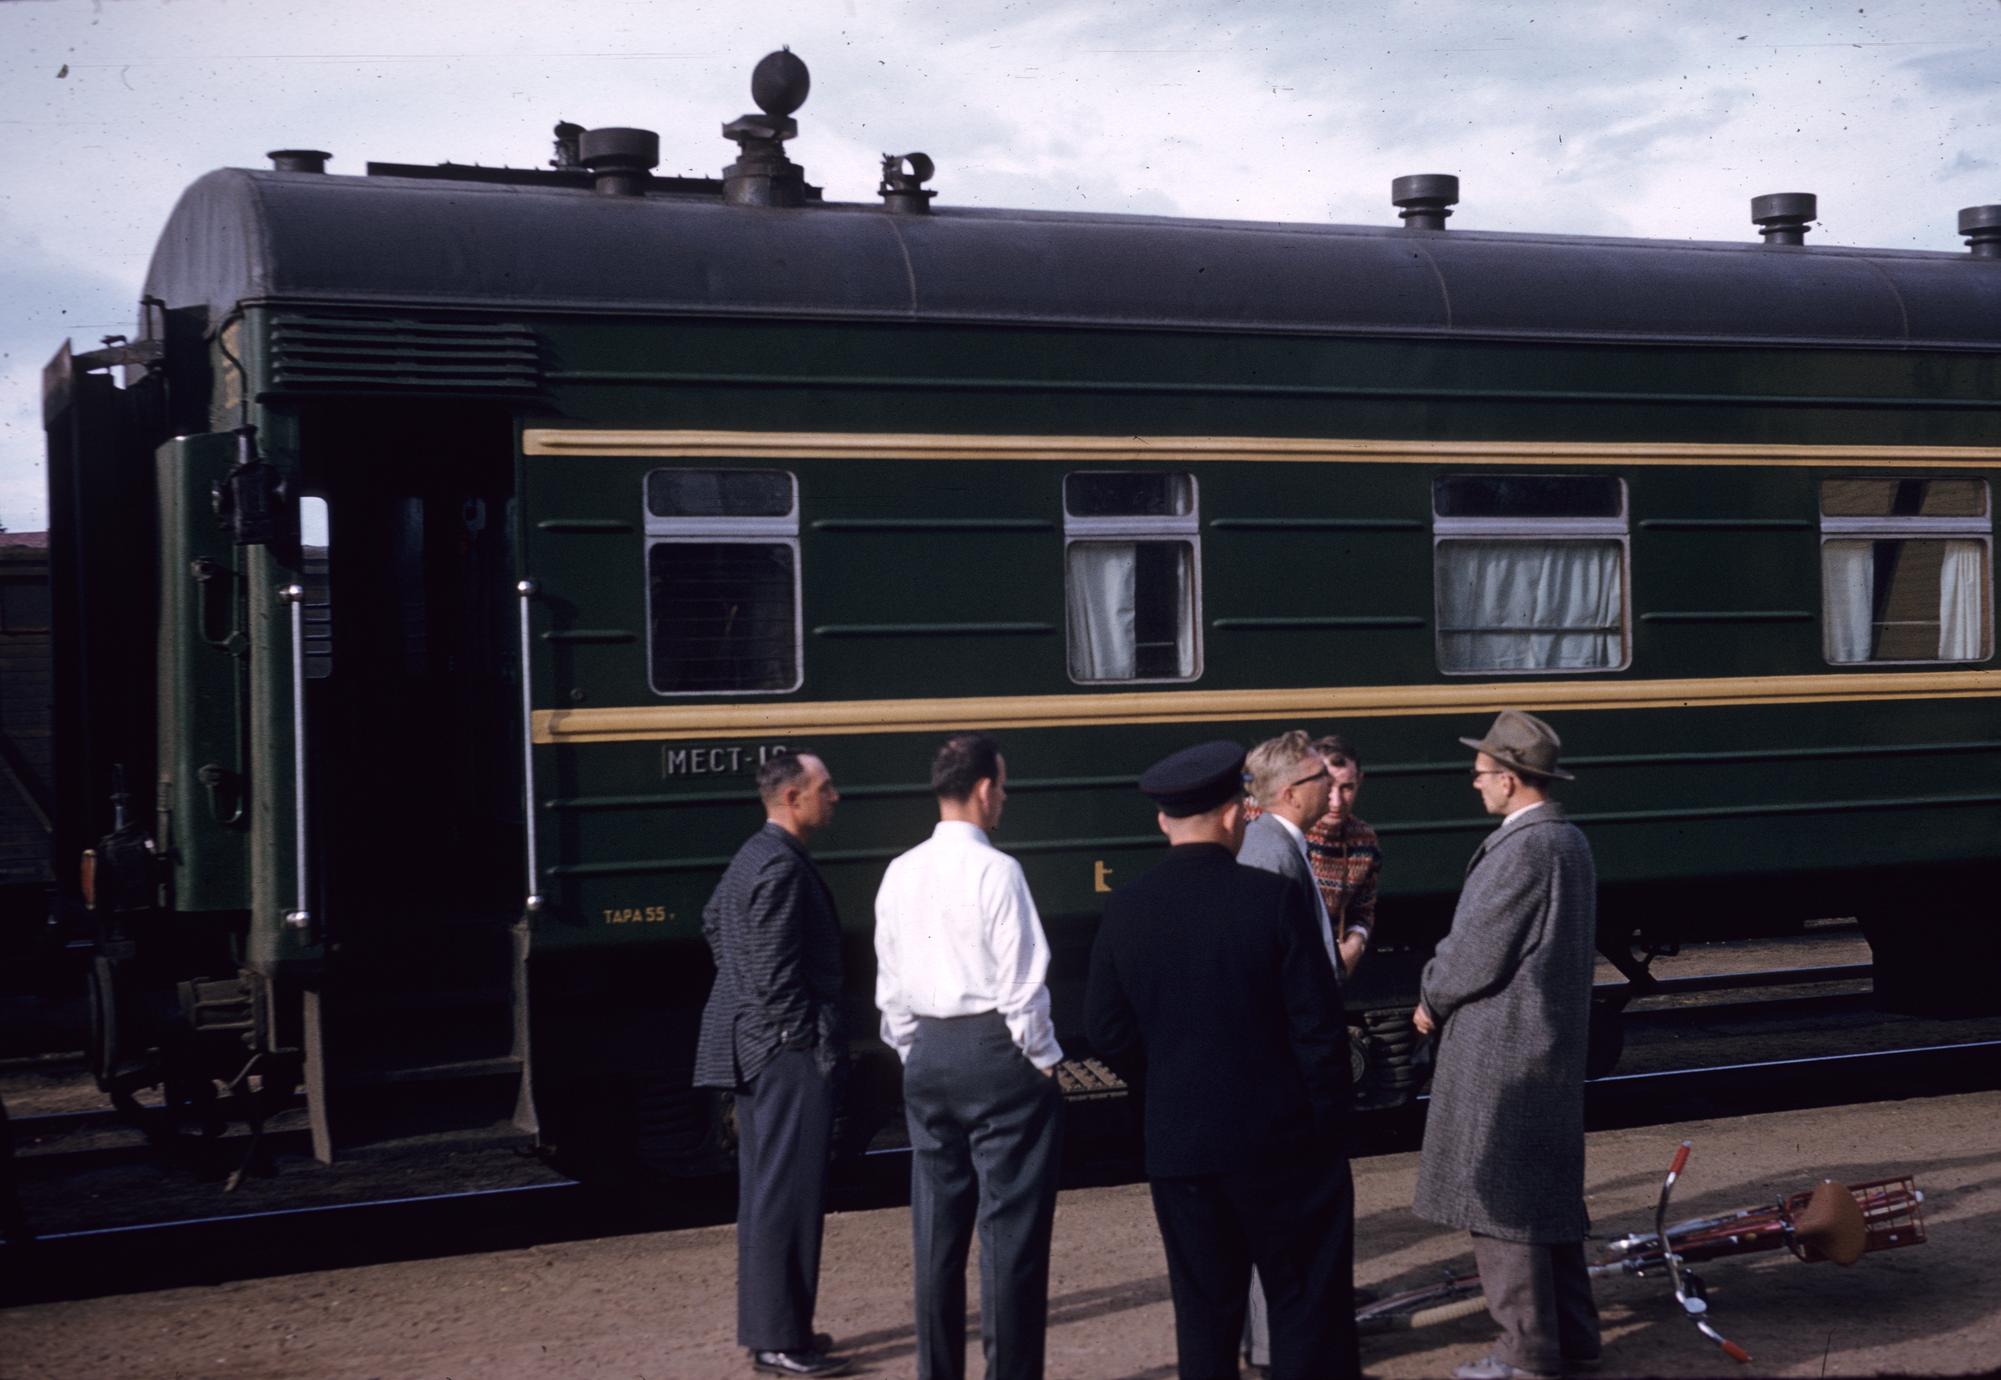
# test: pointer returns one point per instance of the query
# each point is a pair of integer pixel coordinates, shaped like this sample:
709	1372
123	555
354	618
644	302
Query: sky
1661	118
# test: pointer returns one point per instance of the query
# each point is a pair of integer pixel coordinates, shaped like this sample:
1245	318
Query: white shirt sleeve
1021	960
899	1025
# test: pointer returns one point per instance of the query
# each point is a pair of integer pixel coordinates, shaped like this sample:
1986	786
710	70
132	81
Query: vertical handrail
300	918
528	589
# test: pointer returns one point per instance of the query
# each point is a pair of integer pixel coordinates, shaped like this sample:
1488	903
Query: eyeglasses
1490	771
1320	775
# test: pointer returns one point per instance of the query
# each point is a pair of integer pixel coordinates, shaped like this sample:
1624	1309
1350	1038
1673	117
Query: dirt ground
661	1307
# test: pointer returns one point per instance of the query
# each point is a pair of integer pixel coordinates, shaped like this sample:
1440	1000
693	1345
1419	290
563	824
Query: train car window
1111	493
1530	573
316	569
1905	567
1131	576
1528	496
718	493
722	565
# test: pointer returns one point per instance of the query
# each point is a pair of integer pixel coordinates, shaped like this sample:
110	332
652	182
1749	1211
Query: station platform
662	1305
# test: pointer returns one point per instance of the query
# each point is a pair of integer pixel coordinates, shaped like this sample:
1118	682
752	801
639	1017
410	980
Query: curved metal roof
241	236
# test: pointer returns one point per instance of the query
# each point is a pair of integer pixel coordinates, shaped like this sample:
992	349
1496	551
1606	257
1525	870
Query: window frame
718	531
1184	528
1543	530
1909	527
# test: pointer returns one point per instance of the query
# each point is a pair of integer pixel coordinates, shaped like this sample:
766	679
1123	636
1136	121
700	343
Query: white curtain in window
1959	611
1848	585
1100	598
1529	606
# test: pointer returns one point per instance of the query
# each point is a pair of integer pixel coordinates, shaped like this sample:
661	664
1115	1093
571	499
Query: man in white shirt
960	963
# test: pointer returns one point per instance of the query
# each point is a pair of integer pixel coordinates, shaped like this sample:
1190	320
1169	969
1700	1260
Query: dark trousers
1296	1224
785	1125
985	1127
1541	1297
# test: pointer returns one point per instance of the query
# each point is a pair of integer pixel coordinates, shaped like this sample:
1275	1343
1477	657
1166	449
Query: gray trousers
985	1132
785	1126
1541	1297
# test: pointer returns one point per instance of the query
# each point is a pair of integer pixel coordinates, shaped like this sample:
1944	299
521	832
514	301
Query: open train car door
415	809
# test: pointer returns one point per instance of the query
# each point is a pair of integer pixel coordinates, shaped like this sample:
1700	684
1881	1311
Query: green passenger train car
461	539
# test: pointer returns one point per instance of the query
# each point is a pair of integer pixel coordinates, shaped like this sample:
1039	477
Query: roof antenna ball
762	175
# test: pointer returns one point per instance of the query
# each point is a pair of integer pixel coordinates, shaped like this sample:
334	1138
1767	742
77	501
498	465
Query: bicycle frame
1891	1211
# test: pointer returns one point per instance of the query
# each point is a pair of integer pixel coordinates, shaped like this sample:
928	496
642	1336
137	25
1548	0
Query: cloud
1659	119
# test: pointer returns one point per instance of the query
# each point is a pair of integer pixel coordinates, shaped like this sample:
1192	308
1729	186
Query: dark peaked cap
1195	780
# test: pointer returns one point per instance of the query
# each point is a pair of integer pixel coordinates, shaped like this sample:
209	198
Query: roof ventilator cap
1425	199
298	160
762	175
1784	217
568	157
621	160
1982	227
903	178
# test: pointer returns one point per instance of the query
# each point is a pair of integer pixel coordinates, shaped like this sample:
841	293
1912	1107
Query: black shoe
822	1341
798	1363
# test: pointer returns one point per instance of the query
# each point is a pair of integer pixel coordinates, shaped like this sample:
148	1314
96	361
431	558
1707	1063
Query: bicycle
1832	1221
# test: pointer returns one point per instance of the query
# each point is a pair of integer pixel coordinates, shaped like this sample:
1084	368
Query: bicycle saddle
1830	1226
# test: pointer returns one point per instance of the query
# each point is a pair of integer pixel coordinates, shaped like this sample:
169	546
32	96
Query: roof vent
567	158
621	160
903	178
298	160
1783	217
762	175
1982	227
1425	199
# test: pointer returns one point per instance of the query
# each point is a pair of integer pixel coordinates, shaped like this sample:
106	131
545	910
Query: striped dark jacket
776	939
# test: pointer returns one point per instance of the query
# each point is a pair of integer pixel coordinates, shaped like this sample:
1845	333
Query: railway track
214	1248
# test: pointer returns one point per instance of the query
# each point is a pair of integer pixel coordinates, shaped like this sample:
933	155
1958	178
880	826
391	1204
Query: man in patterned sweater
1344	854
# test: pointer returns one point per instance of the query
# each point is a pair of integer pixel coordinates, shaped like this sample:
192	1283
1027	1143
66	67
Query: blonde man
1290	783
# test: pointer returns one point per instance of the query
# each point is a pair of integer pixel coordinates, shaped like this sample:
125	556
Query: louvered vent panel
373	354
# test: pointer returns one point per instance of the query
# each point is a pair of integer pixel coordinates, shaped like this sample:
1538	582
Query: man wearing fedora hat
1509	994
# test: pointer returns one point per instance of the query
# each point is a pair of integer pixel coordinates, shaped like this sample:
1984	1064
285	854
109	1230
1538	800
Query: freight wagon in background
32	1017
462	538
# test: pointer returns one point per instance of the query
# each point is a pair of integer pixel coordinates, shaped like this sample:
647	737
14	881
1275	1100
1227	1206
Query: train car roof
242	237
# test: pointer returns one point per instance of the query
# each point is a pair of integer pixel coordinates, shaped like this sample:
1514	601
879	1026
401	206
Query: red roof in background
38	540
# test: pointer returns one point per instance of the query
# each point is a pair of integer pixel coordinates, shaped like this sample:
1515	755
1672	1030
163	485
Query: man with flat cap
1509	992
1211	990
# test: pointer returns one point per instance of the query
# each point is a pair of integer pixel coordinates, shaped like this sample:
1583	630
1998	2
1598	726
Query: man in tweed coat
772	1032
1509	992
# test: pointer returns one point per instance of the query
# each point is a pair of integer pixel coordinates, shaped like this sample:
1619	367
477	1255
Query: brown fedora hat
1523	744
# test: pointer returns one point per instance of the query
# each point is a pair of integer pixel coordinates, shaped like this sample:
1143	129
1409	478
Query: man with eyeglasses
1509	993
1291	785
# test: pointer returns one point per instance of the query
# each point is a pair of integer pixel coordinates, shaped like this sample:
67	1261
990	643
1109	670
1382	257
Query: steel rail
95	1261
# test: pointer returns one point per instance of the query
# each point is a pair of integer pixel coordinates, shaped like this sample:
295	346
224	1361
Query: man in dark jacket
1210	988
772	1033
1510	990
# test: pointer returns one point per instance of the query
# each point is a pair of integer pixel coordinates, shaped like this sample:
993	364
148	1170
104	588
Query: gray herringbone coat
1511	985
